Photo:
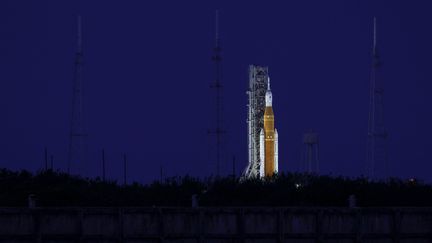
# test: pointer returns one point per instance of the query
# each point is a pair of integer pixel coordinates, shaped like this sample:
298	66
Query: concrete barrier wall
216	225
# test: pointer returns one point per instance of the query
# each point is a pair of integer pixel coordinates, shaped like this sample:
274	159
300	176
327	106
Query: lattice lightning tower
217	86
77	134
376	155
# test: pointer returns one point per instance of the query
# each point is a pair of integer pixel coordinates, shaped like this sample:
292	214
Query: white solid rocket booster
261	172
276	156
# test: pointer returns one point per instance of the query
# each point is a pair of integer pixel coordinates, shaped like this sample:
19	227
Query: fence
216	224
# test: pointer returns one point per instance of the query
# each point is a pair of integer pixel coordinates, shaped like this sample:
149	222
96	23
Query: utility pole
234	167
103	164
46	158
124	169
161	174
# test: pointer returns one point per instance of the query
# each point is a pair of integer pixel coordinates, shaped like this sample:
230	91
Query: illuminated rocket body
268	139
262	135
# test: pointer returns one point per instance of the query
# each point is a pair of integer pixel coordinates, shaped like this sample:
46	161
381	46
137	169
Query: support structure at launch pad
262	136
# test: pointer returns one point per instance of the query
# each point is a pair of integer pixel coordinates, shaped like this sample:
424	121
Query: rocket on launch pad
262	135
268	139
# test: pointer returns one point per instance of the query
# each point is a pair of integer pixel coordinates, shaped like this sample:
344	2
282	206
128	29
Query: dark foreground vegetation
59	189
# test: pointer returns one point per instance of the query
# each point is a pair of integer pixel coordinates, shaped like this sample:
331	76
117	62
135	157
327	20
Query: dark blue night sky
147	71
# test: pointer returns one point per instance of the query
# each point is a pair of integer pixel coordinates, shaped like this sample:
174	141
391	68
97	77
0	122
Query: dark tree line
59	189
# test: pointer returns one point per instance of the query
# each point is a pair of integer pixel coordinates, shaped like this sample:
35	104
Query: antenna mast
217	86
376	155
77	134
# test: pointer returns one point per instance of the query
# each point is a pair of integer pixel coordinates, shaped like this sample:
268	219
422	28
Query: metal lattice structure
258	79
376	155
77	132
218	131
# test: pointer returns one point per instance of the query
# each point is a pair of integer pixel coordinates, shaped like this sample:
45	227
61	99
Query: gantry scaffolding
258	78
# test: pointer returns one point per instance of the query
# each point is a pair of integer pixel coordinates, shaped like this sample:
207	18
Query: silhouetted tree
292	189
